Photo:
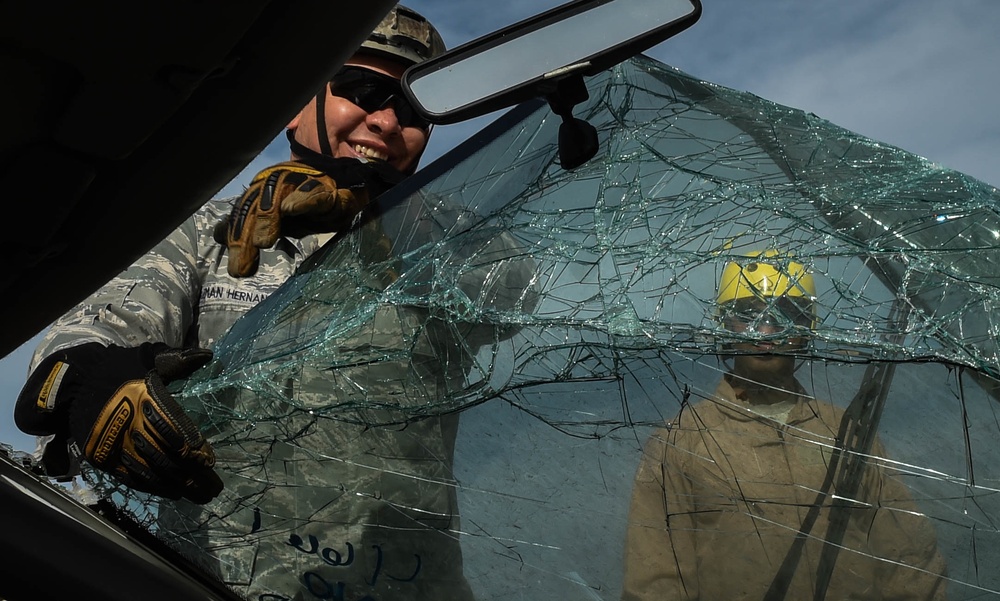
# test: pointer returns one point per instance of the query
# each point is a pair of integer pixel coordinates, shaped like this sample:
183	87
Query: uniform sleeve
902	533
659	536
482	279
153	300
497	278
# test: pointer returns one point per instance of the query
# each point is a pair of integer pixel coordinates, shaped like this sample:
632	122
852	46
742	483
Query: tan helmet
404	34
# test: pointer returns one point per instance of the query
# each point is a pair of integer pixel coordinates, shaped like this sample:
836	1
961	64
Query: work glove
112	406
294	199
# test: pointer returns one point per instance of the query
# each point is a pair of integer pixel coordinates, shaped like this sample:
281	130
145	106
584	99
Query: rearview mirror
528	59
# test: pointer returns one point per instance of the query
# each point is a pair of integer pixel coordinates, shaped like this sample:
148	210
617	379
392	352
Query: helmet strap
321	135
376	176
324	162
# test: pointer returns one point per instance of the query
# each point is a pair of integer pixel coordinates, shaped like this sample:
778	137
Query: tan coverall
721	495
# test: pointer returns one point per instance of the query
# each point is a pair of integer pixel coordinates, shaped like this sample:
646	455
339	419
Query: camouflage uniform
334	509
178	293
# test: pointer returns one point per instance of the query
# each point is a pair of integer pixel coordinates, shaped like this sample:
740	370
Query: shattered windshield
741	353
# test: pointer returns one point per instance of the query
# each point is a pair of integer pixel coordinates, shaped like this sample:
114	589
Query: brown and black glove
112	406
288	199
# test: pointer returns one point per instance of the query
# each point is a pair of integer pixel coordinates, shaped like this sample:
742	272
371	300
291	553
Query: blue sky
923	75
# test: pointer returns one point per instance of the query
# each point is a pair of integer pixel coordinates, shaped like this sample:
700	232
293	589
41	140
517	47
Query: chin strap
377	176
324	141
323	161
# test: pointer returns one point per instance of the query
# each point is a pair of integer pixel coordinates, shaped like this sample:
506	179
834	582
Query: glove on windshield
288	199
113	406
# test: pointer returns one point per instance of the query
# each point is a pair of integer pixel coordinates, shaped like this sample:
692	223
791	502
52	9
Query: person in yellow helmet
739	496
770	300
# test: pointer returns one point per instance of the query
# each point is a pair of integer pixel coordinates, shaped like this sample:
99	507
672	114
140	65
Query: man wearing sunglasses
742	495
97	390
356	138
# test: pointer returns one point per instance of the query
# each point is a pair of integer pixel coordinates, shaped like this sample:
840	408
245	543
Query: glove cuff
38	410
42	406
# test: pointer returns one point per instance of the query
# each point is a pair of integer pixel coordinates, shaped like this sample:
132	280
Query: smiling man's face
353	132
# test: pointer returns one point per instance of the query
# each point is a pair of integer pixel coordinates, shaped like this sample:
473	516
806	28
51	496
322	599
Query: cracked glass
511	380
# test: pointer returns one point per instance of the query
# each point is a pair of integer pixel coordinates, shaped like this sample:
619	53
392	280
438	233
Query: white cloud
919	74
928	84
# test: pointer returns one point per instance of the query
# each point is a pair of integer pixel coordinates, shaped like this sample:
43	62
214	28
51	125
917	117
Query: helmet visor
767	317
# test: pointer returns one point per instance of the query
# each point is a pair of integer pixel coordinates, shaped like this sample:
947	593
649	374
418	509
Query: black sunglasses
373	92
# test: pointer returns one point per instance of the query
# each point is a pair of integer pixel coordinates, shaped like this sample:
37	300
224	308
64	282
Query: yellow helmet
771	278
765	275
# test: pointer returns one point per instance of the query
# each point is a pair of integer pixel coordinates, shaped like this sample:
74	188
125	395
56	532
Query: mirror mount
577	138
